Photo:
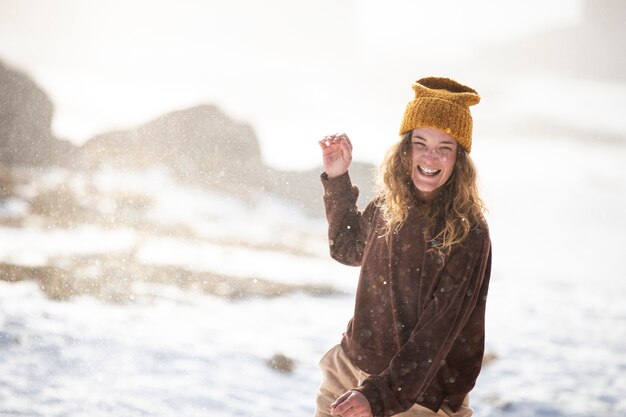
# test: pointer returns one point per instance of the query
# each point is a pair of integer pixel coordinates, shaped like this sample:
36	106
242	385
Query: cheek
448	164
449	160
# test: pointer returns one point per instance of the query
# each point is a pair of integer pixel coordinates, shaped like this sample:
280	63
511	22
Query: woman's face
433	155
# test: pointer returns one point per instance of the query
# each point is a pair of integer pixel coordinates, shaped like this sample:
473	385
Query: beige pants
340	375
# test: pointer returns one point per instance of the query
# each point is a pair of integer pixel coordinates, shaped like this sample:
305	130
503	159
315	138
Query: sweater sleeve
347	226
462	281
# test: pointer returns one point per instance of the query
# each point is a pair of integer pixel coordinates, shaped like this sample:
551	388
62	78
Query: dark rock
200	145
205	147
25	119
25	123
281	363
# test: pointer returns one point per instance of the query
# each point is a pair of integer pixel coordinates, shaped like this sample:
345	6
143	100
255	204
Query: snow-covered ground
167	350
170	353
556	317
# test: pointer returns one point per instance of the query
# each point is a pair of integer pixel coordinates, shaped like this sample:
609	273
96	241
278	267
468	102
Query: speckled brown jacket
418	324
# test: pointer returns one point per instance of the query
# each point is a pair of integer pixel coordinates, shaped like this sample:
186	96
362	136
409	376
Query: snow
556	319
169	353
556	312
223	259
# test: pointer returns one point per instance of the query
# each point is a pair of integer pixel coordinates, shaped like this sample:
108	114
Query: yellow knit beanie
442	103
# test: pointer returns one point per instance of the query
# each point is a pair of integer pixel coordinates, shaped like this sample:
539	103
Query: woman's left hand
351	404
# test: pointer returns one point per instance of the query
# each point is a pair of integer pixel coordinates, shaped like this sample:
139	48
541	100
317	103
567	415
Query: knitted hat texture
441	103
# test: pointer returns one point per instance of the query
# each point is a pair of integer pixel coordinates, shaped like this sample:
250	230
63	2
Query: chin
424	188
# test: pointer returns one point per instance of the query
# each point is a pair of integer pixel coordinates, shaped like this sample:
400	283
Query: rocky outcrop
203	146
25	123
25	119
200	145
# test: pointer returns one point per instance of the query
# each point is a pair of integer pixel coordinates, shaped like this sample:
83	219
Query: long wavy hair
452	214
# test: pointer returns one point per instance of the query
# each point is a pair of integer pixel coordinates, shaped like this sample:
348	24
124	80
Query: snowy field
556	316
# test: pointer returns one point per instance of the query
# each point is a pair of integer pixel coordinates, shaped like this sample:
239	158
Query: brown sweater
418	324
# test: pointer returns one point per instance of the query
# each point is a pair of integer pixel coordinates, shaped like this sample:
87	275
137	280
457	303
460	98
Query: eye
445	150
419	145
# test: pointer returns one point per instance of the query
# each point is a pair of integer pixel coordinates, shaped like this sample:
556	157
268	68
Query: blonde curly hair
457	207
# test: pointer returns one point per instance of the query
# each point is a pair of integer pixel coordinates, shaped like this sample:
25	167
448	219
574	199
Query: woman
415	344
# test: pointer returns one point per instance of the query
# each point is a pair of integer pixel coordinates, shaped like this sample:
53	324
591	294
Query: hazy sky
293	69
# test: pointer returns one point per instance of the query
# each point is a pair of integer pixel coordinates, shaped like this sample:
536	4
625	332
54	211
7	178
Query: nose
431	154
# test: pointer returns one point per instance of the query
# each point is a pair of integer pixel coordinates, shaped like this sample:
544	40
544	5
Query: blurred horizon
294	71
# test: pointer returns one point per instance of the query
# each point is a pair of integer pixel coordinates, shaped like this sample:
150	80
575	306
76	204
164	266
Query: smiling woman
433	155
415	344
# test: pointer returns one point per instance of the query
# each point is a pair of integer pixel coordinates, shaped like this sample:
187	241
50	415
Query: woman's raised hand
337	154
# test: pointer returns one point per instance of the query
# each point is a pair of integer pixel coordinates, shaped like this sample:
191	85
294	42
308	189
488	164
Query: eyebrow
445	142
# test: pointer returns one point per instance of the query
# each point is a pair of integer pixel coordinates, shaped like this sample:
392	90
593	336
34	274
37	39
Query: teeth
428	171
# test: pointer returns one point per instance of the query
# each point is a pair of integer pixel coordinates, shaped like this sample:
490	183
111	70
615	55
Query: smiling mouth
428	172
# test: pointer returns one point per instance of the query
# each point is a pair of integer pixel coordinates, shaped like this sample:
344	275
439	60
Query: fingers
337	142
346	140
337	154
345	145
351	404
336	139
341	399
